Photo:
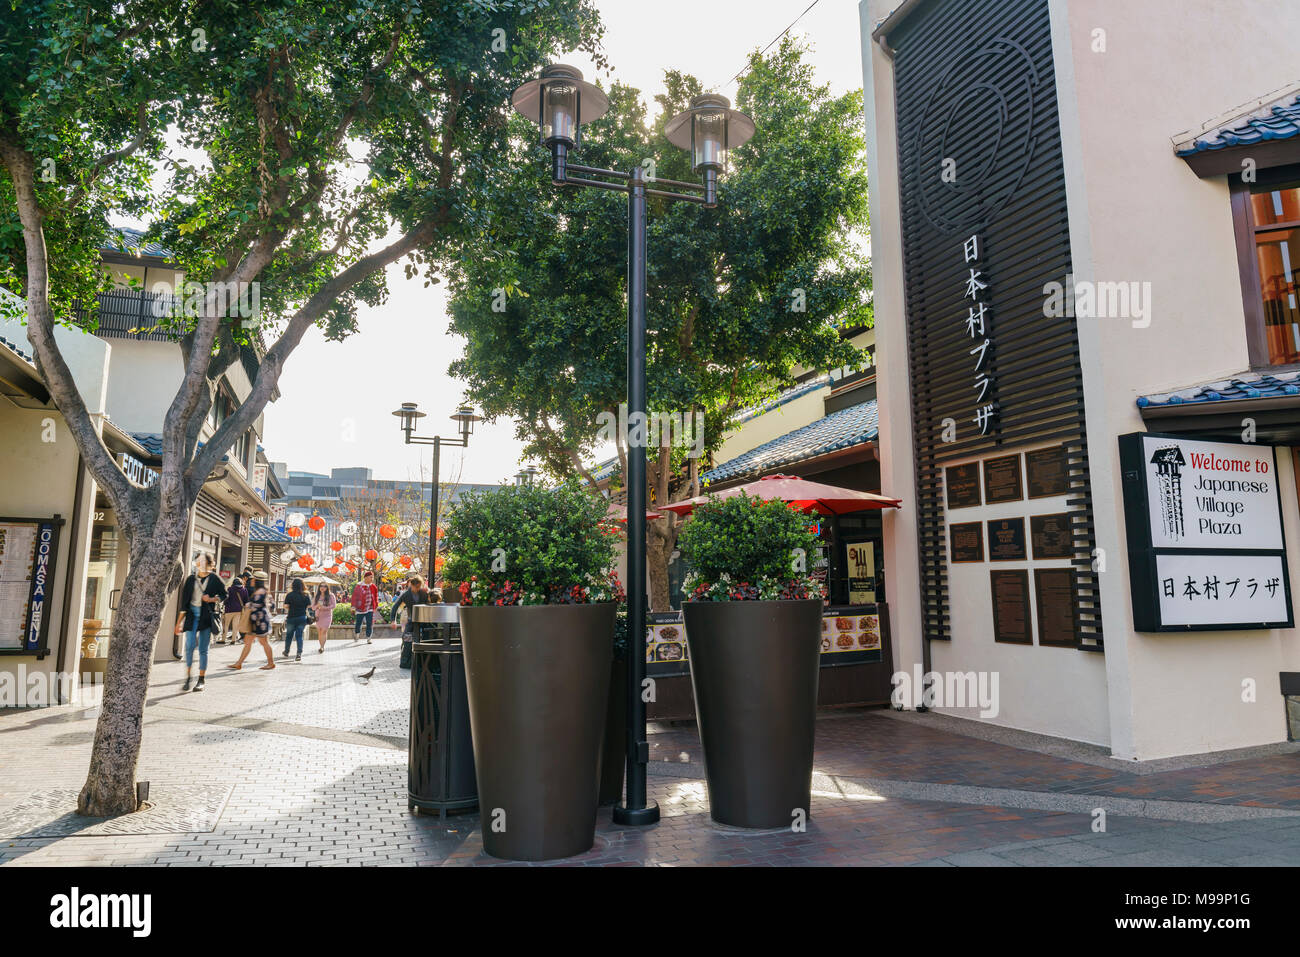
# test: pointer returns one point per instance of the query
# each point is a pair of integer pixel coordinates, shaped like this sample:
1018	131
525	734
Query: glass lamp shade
560	102
708	129
408	414
464	416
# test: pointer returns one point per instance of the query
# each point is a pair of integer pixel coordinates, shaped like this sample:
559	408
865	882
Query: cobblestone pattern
175	808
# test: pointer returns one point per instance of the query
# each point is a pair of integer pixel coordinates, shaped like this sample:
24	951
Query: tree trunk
110	783
659	547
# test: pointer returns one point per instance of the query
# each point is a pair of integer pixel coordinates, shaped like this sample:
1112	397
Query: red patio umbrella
824	499
618	513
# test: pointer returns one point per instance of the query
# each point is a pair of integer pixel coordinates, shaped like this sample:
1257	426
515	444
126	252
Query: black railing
134	314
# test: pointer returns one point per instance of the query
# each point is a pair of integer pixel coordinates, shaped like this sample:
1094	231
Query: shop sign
136	471
259	481
1204	524
27	551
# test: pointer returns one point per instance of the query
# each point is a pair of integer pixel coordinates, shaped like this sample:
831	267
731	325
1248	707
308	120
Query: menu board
966	542
963	485
1002	480
665	647
1047	472
851	635
1051	535
1007	540
27	551
1055	598
1011	621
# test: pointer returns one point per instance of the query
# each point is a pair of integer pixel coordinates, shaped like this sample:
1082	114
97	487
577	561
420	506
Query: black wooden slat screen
974	83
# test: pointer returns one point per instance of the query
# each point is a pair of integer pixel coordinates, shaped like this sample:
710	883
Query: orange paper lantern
333	569
387	531
438	563
406	561
441	531
315	523
293	532
371	554
336	546
350	567
304	561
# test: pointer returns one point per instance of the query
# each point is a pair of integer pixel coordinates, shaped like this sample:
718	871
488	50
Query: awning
1266	131
1219	409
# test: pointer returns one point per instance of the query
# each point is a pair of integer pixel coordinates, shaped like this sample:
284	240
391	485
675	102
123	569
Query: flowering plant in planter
529	545
749	549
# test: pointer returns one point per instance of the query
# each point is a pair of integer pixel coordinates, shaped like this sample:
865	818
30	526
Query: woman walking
297	603
200	595
236	596
322	606
258	622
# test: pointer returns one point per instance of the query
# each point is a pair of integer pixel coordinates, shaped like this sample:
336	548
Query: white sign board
1211	494
1221	589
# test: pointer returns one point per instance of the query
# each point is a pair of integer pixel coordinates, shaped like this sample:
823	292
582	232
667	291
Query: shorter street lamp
409	413
526	476
559	101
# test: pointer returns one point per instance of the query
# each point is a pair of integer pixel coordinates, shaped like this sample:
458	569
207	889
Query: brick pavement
315	765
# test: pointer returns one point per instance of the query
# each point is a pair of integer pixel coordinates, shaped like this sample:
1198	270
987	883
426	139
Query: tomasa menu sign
1206	549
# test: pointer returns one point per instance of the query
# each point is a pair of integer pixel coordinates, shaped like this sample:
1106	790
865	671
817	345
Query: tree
337	137
739	296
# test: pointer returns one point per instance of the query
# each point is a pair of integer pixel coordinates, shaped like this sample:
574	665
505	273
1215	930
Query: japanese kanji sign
1206	549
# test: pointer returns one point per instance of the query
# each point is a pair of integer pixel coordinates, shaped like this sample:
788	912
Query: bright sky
336	398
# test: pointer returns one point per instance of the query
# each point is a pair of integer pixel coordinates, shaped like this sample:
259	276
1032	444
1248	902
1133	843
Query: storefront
1087	340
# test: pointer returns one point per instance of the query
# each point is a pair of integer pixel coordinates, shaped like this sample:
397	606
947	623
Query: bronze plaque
1056	597
1007	540
963	485
1002	479
1010	591
1047	472
1051	536
966	542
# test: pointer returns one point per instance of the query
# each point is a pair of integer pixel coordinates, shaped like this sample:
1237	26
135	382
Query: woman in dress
322	606
258	624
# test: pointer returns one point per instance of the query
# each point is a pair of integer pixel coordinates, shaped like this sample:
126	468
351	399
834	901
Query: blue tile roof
257	532
1281	123
16	349
1248	385
132	241
152	441
839	430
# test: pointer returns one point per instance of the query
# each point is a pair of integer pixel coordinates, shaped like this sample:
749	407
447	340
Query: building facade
1084	219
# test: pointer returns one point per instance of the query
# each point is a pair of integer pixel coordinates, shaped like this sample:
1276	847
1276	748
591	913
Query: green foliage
343	614
530	545
539	291
748	548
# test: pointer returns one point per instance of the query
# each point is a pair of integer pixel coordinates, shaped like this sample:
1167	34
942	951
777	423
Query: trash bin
440	770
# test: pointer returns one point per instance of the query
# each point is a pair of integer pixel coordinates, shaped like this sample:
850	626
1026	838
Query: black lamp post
464	415
560	102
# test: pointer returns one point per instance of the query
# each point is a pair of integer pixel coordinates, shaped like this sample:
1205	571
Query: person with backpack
257	621
297	604
415	594
236	595
199	598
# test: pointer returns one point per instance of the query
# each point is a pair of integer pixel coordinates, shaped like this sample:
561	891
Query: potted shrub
537	622
753	626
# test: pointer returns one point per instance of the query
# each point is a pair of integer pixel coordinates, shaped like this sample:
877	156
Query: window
1268	234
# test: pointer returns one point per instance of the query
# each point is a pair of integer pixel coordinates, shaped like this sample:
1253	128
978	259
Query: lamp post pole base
636	816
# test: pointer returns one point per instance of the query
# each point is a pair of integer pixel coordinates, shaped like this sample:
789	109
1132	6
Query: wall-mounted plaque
1054	595
1002	479
966	542
1047	472
1007	540
1010	591
1051	535
963	485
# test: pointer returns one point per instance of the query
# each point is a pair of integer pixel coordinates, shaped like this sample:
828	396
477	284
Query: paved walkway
306	765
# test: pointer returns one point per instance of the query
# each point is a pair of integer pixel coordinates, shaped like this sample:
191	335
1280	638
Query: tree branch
111	159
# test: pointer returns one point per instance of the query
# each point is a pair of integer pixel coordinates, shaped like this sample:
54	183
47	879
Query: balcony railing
134	314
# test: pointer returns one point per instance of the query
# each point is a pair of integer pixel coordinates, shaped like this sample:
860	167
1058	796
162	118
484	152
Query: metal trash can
440	768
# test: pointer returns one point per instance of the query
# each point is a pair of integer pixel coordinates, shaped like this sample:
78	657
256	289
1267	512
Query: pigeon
367	676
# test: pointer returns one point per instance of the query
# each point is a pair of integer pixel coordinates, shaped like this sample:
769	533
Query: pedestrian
322	606
236	596
365	600
257	621
415	594
297	604
199	597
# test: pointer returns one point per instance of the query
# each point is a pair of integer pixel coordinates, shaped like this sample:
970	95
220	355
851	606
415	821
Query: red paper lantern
438	563
336	546
387	531
304	561
333	569
406	561
441	531
371	554
315	523
293	532
350	567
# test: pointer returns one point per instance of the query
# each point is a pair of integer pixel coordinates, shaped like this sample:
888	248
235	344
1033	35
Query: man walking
365	600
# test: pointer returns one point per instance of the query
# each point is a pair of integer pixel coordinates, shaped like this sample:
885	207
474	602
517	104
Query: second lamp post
560	102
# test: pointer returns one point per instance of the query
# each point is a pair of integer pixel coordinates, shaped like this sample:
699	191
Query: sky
337	398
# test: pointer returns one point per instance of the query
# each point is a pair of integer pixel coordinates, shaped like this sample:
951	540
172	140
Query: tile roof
839	430
132	241
1247	385
1281	122
151	441
257	532
17	350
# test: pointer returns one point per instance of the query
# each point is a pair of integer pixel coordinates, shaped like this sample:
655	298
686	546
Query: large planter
754	668
537	679
613	762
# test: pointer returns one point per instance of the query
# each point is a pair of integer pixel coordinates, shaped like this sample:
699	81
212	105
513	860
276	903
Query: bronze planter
754	668
537	678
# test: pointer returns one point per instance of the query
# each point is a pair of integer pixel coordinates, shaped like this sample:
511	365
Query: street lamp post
409	413
560	102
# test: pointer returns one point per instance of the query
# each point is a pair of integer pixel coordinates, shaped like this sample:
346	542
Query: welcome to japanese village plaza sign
1205	542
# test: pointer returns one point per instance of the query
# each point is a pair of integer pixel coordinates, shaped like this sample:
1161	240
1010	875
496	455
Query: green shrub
531	545
743	548
343	614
